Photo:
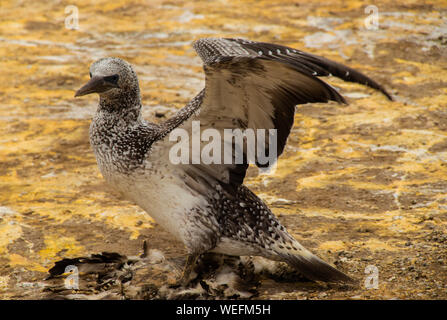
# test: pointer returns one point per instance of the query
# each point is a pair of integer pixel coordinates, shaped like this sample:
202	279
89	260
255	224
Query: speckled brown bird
249	85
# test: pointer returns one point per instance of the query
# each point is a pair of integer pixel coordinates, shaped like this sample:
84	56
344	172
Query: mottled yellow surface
359	184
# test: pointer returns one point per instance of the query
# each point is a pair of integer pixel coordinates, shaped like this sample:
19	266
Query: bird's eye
112	79
90	74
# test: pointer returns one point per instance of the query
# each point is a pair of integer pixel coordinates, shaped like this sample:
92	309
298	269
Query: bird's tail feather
313	267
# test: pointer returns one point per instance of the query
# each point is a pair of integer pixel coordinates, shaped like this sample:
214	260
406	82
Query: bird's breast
157	190
149	180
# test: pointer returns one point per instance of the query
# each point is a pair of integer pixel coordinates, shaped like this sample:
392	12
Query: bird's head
110	78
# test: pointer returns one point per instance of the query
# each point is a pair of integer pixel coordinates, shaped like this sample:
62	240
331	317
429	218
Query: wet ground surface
362	184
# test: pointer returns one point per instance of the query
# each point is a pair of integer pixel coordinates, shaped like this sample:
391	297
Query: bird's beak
95	84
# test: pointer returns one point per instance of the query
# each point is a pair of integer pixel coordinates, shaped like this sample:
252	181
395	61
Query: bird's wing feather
254	85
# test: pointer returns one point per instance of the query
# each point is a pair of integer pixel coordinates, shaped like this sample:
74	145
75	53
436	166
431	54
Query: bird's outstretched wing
255	85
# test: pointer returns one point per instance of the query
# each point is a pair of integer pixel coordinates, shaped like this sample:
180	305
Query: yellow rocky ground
363	184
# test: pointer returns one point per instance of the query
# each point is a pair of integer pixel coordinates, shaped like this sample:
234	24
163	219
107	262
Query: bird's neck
126	106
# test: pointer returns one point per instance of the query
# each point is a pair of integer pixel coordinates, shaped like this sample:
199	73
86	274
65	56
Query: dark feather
316	269
310	64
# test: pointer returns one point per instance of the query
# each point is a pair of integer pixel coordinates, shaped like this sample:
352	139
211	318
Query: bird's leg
189	267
